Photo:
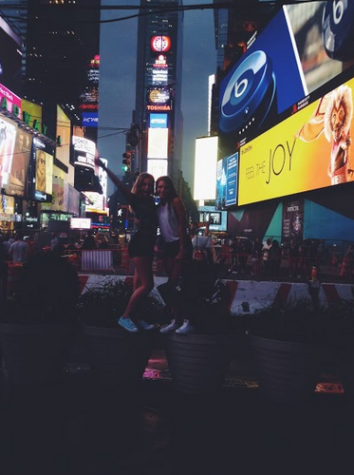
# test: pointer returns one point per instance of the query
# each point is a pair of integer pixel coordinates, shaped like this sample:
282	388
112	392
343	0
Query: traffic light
126	167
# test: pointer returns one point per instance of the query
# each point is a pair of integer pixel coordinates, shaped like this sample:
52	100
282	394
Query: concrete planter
287	371
198	363
117	358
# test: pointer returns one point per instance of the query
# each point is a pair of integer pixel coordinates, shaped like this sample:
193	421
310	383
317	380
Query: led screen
84	152
10	59
15	184
304	47
206	151
80	223
157	168
226	181
8	130
40	171
310	150
157	143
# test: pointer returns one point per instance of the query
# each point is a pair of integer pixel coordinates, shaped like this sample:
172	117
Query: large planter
198	363
287	371
117	358
35	354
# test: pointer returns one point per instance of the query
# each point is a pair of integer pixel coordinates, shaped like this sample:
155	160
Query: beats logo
249	94
338	29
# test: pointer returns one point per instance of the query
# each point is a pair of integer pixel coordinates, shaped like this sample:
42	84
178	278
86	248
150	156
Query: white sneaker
187	327
173	325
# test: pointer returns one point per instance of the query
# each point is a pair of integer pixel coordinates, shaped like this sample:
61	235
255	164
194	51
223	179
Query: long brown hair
139	181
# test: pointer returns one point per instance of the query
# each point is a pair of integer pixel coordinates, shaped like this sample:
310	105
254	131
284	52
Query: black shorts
142	245
171	249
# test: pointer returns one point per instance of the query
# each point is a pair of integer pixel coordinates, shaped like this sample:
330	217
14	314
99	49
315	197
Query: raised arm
120	185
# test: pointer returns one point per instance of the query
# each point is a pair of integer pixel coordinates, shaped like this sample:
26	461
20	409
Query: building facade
157	113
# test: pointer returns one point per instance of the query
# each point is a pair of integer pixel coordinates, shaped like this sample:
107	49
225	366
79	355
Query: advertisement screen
44	172
8	130
40	171
157	143
80	223
157	168
15	184
84	152
226	181
310	150
304	46
10	59
206	151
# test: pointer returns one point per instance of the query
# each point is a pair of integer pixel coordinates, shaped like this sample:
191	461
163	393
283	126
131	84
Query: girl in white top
176	244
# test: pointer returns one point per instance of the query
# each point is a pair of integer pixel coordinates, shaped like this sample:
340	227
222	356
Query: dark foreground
73	427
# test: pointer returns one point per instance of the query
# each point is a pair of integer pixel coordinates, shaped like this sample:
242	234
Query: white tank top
168	223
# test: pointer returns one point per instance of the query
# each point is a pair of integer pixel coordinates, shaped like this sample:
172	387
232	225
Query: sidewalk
74	428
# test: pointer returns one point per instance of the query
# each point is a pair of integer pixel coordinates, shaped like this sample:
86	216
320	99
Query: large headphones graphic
338	29
249	95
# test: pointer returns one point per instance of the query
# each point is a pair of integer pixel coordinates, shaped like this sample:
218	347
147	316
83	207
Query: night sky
118	50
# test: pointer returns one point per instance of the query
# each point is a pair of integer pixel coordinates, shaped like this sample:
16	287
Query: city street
73	427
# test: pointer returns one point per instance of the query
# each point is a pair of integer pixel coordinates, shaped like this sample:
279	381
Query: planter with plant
198	361
118	358
38	325
292	344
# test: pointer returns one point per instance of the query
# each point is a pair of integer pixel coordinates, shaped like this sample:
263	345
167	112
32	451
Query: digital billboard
157	143
10	59
206	152
40	171
84	152
8	130
16	181
310	150
301	50
157	168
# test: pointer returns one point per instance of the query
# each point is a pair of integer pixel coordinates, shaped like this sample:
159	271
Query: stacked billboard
285	108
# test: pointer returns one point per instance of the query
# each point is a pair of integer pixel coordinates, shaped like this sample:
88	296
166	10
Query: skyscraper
157	112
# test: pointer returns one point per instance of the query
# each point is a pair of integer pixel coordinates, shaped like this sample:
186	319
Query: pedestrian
141	245
54	242
19	249
175	245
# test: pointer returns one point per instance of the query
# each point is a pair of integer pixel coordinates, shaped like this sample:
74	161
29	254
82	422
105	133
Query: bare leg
143	269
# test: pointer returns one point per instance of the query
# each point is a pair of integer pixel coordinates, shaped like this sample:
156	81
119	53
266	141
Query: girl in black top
141	246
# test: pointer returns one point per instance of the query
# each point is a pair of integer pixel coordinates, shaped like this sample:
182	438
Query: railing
289	268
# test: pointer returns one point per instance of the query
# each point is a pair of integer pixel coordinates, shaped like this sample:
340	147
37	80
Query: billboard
40	171
310	150
226	181
157	168
206	151
10	59
157	143
8	130
84	152
16	181
302	49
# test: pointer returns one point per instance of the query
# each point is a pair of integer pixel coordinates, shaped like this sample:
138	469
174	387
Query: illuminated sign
20	159
157	168
158	95
7	144
206	150
90	119
301	49
157	143
158	121
160	70
11	59
308	151
9	101
158	108
160	44
84	151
